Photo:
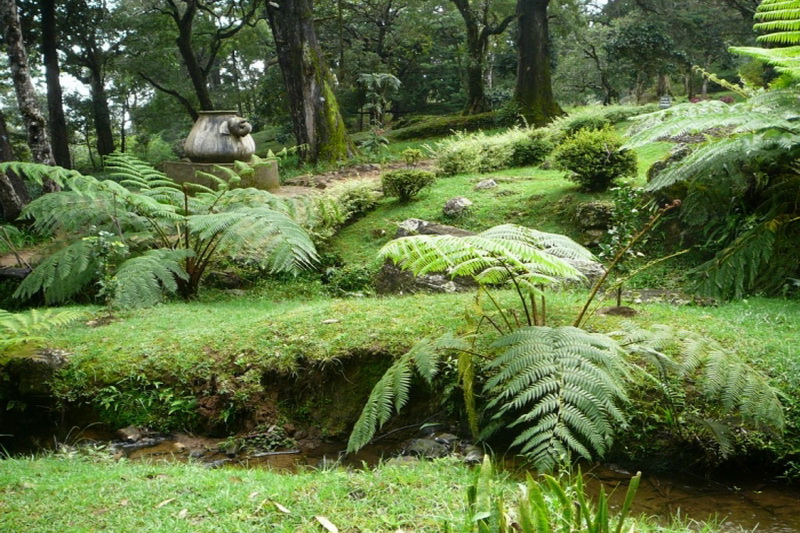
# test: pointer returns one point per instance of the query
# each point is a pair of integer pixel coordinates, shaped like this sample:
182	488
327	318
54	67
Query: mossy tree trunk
534	89
13	193
478	32
317	121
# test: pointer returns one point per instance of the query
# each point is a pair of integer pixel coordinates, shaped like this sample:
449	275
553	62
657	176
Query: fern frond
22	328
38	172
563	386
734	271
727	156
264	233
492	256
720	375
391	392
142	281
62	274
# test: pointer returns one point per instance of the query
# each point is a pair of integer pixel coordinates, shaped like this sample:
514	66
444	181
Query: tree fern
746	175
562	388
145	209
391	393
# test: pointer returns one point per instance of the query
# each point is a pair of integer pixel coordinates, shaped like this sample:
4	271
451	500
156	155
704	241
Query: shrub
405	184
479	152
595	158
530	149
356	197
574	124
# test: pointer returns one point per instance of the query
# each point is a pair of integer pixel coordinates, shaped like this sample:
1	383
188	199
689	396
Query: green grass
54	495
530	196
77	494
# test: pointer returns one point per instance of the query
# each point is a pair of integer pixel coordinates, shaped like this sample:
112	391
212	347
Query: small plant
412	156
356	197
546	503
595	159
349	280
405	184
375	143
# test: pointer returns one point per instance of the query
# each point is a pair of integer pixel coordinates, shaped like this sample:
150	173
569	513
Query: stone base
264	177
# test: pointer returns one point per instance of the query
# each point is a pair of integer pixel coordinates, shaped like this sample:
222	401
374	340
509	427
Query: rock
427	448
448	439
594	215
391	279
486	184
130	434
472	454
402	461
456	206
618	311
591	269
197	454
417	226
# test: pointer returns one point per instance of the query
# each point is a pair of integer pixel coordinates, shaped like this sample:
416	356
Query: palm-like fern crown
493	256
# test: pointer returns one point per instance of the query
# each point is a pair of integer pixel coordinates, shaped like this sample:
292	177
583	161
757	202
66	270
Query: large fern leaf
493	256
142	281
21	328
391	393
62	274
562	387
718	374
261	232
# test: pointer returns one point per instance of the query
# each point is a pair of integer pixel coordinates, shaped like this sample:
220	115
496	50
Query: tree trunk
101	112
23	87
55	101
534	91
13	194
184	42
318	124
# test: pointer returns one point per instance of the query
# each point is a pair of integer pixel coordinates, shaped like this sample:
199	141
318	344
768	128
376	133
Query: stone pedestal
264	177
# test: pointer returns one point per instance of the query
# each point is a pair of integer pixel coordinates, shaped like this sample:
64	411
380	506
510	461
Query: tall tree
55	101
317	121
478	22
23	87
534	89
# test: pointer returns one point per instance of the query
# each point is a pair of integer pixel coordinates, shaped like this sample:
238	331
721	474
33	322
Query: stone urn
220	137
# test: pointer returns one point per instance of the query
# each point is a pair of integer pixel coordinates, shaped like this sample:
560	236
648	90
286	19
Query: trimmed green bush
357	197
595	158
478	152
405	184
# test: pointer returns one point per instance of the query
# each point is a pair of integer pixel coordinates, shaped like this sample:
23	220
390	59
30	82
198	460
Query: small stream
736	506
